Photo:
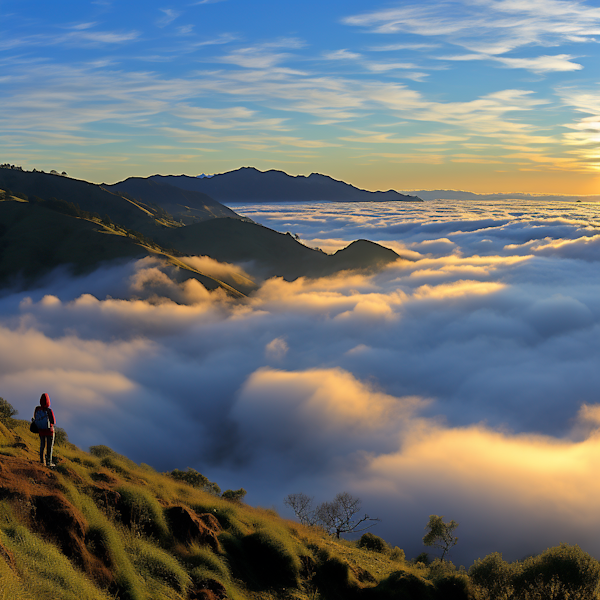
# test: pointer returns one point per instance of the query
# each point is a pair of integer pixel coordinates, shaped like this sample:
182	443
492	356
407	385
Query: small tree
338	516
234	495
302	505
195	479
440	534
7	412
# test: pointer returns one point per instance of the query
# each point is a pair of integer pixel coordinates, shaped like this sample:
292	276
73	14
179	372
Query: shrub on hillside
195	479
398	554
60	436
271	560
493	576
7	412
332	579
370	541
561	572
401	585
234	495
454	586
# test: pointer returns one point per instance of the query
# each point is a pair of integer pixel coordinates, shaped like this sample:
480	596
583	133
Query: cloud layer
461	380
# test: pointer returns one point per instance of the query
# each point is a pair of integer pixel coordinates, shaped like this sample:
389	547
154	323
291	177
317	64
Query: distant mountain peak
249	184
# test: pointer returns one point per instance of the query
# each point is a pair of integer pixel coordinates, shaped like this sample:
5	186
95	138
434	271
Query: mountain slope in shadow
87	196
34	240
276	254
59	221
184	205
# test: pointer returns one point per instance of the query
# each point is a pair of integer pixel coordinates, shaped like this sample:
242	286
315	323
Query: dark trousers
47	442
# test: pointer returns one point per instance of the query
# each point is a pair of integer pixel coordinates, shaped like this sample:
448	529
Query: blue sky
482	95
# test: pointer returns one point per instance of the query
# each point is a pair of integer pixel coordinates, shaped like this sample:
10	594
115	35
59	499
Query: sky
478	95
461	380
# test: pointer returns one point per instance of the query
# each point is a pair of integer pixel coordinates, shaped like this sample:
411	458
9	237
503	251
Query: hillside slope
185	205
48	220
34	240
87	196
99	526
251	185
276	254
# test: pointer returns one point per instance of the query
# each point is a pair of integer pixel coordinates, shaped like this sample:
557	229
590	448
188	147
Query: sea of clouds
462	380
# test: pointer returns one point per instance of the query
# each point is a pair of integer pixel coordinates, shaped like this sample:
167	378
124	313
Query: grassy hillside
48	220
87	196
35	239
277	254
184	205
101	527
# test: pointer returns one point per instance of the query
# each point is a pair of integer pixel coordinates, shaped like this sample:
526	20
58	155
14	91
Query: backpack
42	420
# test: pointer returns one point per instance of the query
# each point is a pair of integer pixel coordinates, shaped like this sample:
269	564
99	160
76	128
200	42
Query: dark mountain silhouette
276	254
87	196
47	221
186	206
35	239
251	185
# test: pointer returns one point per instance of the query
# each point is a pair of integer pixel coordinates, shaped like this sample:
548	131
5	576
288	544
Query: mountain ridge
248	184
47	221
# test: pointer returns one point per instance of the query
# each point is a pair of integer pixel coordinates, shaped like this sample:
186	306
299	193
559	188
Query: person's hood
45	401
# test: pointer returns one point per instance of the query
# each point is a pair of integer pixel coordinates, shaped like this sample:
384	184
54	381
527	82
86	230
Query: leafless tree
337	517
302	505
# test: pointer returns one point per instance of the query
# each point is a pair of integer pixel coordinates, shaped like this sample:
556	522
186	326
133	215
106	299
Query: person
46	435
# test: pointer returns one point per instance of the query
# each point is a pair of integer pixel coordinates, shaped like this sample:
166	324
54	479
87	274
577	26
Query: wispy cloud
80	36
510	25
539	64
169	15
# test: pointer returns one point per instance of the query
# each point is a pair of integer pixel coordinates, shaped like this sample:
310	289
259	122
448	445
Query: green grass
44	571
160	570
261	556
141	512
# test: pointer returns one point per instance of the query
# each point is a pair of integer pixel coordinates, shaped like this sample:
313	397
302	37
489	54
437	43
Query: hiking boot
51	464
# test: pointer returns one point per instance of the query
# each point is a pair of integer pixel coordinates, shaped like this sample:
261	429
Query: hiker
43	416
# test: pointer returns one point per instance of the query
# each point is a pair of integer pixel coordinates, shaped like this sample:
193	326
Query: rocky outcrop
187	527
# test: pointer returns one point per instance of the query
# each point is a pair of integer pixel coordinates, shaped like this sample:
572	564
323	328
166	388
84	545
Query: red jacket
45	405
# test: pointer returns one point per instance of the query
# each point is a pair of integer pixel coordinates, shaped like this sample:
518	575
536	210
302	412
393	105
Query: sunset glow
483	96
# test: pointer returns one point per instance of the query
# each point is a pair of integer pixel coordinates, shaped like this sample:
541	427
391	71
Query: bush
60	436
106	452
453	587
369	541
561	572
195	479
7	412
271	561
493	576
234	495
401	585
398	554
332	578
